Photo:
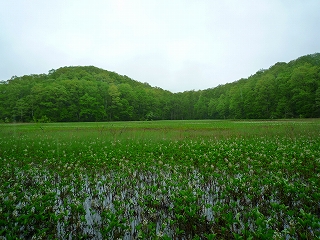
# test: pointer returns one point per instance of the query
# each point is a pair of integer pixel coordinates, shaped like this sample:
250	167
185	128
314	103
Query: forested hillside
81	94
285	90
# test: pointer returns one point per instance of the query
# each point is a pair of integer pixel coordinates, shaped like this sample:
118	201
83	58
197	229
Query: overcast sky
177	45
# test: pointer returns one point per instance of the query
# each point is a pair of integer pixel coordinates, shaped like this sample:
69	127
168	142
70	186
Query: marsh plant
161	180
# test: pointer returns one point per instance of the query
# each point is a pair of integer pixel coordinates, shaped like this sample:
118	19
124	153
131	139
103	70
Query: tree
201	107
222	106
236	96
265	97
91	110
317	105
88	93
21	110
304	83
115	103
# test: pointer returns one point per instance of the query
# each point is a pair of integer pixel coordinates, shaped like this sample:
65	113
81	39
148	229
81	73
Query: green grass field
202	179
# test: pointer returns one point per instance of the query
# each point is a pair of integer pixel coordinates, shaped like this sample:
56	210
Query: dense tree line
285	90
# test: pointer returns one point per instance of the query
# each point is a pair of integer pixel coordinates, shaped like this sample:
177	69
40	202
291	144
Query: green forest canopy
68	94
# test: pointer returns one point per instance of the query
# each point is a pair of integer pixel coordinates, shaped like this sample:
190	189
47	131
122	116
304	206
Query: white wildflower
160	234
15	213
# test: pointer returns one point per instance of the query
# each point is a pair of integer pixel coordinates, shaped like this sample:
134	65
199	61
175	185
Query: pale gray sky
177	45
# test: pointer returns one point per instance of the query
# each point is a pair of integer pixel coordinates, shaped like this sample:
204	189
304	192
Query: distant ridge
88	93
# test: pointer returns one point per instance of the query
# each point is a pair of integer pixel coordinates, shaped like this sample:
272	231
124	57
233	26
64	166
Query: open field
161	180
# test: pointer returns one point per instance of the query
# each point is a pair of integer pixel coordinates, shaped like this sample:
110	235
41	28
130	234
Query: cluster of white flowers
15	213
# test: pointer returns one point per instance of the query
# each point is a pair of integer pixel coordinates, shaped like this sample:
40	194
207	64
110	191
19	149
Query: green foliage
70	94
203	179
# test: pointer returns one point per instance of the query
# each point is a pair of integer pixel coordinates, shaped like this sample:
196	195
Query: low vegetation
160	180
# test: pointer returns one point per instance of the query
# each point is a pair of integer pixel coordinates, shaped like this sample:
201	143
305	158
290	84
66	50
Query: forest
89	94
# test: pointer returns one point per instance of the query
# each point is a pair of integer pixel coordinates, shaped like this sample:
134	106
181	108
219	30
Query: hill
80	94
285	90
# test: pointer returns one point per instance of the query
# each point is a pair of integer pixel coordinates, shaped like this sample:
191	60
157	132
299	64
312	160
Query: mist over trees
69	94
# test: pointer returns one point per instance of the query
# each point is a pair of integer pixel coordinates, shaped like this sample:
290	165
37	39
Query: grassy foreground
161	180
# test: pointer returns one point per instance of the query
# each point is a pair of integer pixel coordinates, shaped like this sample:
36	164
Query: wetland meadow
203	179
